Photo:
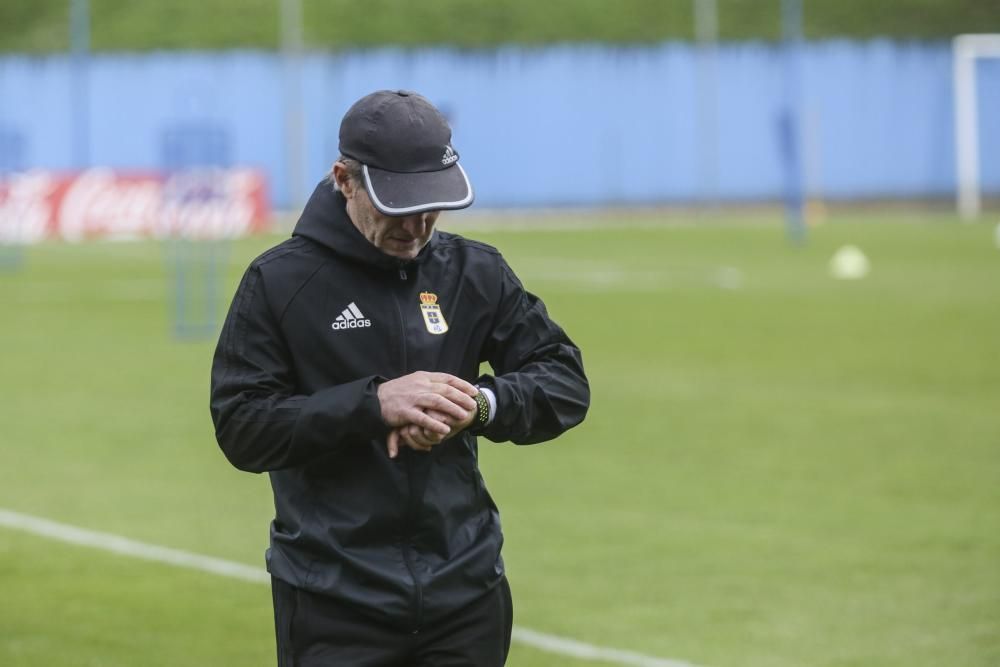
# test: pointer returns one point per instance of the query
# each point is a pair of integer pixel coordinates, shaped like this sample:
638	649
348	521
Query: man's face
403	237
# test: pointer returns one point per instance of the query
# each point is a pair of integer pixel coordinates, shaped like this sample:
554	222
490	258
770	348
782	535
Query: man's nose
414	225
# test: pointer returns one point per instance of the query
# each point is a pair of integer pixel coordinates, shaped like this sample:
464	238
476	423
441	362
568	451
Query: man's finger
392	443
443	405
441	417
458	383
426	437
456	396
413	437
466	388
422	420
409	434
404	434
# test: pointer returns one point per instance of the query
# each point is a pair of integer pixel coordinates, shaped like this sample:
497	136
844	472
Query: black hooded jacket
316	324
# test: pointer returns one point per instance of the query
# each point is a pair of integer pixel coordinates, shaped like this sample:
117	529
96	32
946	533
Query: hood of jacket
325	221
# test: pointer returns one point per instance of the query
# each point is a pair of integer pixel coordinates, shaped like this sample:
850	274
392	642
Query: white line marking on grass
575	649
105	291
227	568
126	547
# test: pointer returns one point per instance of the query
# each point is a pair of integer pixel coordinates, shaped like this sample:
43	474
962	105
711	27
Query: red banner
105	203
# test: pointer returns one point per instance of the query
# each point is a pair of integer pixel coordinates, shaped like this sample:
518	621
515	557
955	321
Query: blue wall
563	125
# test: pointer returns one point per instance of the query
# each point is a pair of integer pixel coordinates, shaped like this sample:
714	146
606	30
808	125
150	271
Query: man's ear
344	182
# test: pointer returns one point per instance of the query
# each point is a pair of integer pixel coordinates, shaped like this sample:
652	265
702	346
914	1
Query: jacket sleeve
540	385
261	422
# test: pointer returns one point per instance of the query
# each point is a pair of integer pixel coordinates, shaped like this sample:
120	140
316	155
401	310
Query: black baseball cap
404	146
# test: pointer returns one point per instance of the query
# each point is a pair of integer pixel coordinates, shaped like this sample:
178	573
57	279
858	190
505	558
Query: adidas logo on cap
449	155
351	318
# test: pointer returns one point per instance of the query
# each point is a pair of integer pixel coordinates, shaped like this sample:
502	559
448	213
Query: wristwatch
482	410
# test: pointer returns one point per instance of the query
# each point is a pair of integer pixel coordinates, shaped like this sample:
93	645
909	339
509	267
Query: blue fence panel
12	151
135	98
35	101
988	80
563	125
882	119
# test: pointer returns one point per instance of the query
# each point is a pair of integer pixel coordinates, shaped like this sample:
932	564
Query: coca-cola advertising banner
110	204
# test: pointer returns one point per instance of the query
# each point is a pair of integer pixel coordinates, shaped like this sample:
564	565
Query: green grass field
36	26
779	469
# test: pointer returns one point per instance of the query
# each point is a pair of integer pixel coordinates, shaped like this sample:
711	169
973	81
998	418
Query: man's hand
423	440
434	403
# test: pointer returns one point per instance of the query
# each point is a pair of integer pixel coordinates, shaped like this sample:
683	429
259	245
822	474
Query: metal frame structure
966	50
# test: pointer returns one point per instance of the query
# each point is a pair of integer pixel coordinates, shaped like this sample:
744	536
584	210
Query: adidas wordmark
351	318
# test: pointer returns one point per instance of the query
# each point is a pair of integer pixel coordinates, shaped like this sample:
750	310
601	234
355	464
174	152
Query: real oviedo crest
433	317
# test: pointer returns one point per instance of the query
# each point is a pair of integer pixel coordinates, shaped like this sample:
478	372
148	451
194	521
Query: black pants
317	631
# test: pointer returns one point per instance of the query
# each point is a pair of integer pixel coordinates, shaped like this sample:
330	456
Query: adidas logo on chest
351	318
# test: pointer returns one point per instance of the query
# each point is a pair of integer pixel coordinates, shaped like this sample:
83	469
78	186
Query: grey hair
353	168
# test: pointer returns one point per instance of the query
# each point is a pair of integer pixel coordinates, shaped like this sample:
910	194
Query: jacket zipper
418	612
402	323
410	520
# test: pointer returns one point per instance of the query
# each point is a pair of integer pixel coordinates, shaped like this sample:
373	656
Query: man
348	368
